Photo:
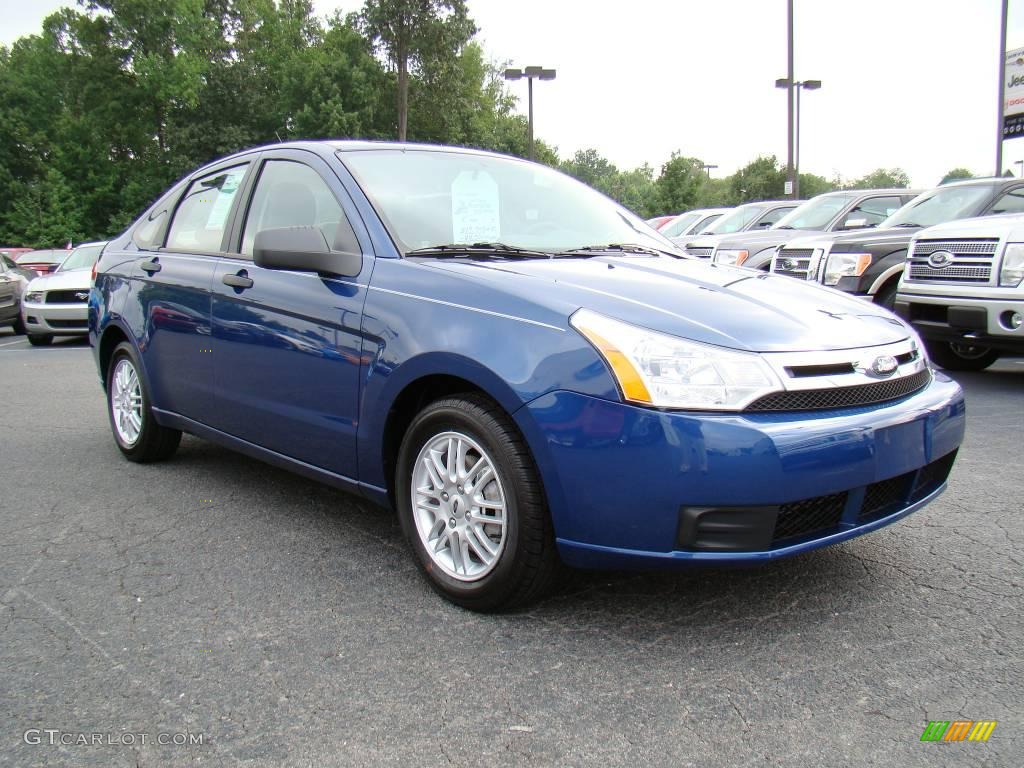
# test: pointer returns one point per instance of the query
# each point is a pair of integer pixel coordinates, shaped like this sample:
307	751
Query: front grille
703	253
800	518
793	262
79	324
66	297
972	261
842	397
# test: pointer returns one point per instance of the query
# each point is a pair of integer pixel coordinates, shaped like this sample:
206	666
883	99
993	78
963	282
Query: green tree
882	178
956	174
812	185
761	179
678	188
417	36
44	213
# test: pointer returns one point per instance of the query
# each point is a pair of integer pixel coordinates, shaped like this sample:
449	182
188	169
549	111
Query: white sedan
58	304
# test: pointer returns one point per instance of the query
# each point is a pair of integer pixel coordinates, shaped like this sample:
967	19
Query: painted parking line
16	341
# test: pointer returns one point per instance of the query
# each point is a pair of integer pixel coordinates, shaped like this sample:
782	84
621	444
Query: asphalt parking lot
284	623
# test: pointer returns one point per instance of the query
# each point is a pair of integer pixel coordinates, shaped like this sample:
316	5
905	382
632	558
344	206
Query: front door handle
238	280
152	266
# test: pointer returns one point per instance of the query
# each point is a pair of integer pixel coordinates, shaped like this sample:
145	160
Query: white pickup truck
962	290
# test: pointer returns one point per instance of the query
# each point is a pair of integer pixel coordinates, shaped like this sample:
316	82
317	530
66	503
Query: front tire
472	506
136	431
39	341
961	356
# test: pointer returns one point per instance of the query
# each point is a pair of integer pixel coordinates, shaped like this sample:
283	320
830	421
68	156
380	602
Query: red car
659	221
44	262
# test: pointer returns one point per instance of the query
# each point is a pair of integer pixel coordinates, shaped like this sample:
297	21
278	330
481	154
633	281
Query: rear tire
136	431
472	507
961	356
39	341
19	327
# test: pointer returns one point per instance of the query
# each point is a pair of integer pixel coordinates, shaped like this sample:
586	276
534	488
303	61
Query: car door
287	345
871	212
172	302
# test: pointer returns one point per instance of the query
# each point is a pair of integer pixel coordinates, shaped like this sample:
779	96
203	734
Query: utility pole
1002	89
530	73
790	77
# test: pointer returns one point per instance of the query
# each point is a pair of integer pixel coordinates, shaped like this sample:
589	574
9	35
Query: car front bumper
637	487
56	319
975	320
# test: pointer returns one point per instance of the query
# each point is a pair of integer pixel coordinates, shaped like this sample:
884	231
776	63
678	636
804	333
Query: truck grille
842	397
702	253
793	262
972	261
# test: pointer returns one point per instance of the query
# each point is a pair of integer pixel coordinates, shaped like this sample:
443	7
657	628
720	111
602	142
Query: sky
906	83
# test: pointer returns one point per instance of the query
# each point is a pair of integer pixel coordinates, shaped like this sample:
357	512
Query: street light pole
1000	118
793	173
530	73
707	168
789	88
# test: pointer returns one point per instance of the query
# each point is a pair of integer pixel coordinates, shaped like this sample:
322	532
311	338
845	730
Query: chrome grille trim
973	261
783	363
701	253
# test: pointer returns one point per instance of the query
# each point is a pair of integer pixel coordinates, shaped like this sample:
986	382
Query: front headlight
668	372
841	265
34	297
736	258
1012	271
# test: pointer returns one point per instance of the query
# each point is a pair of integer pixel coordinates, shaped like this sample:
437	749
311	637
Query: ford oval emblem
789	264
82	295
940	259
884	365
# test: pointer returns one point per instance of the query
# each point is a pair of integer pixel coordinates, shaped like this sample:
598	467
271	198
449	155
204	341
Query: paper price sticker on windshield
476	216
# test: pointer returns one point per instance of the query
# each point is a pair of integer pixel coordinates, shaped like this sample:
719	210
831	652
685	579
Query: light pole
707	168
794	150
1020	168
530	73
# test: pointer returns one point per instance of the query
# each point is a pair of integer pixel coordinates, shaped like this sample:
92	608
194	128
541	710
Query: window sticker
224	187
475	209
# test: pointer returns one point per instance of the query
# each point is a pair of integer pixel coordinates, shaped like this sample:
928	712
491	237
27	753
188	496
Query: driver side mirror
303	249
855	224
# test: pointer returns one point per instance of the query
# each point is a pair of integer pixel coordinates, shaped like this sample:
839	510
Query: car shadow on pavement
801	590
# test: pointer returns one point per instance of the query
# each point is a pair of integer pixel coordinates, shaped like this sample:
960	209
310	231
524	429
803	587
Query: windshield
815	214
736	220
682	223
431	198
940	205
82	257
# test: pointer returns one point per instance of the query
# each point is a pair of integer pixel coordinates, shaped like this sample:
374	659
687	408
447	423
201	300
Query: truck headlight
736	258
1012	271
669	372
845	265
34	297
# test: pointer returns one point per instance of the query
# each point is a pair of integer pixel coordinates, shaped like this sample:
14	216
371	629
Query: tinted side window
199	222
1010	202
147	232
772	216
874	210
290	194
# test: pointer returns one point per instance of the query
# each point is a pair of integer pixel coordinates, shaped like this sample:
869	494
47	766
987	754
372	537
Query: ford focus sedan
525	371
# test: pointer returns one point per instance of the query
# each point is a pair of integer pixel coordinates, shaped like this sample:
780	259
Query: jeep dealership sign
1013	94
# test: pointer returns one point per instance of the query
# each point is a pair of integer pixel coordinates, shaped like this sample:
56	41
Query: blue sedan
525	371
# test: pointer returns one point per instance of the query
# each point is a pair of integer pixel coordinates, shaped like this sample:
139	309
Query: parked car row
43	302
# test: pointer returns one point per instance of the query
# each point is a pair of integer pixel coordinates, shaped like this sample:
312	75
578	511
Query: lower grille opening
932	476
799	518
885	497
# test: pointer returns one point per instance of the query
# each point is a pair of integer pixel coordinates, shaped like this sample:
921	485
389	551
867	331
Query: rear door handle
238	280
151	266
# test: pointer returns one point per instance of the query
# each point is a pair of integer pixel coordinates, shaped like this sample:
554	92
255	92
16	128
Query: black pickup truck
869	263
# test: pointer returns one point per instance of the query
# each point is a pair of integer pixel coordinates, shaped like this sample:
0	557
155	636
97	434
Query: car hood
1009	224
78	279
874	237
758	241
713	304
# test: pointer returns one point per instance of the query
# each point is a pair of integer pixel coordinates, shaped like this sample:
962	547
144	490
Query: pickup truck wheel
19	327
961	356
886	296
135	429
472	507
37	340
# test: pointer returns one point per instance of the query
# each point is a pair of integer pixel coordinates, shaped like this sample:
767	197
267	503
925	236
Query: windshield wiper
596	250
455	250
906	224
786	226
